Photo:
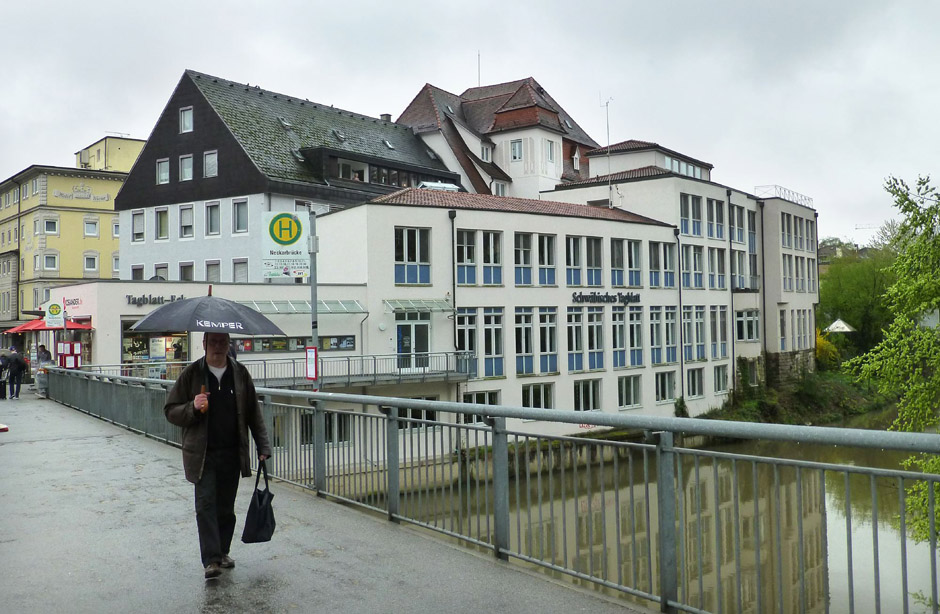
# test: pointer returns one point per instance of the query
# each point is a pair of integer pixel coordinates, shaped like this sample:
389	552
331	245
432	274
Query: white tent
839	327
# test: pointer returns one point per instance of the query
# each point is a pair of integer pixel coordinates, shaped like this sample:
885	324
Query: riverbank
823	398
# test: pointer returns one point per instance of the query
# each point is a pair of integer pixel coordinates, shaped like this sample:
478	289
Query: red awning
41	325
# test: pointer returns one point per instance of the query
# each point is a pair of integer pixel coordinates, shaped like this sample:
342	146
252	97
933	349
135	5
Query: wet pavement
94	518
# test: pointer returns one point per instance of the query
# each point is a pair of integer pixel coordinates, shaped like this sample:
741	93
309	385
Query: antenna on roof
610	194
479	83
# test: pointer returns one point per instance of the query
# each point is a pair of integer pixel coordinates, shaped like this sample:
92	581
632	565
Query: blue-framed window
715	212
575	338
700	332
412	255
635	336
671	330
698	266
618	336
523	259
546	260
525	349
493	342
687	339
492	258
595	337
690	214
656	335
686	266
466	257
594	260
669	265
617	262
573	261
467	337
548	340
634	264
656	264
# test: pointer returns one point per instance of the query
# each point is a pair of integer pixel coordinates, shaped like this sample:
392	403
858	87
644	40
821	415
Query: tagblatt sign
285	246
55	316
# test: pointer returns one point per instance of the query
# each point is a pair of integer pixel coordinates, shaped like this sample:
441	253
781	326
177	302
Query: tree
907	361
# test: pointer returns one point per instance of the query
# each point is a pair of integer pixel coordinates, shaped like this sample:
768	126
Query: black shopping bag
259	525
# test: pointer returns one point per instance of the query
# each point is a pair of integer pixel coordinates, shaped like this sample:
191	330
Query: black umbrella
208	314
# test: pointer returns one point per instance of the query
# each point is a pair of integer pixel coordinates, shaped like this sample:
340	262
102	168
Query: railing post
500	487
392	493
666	497
319	447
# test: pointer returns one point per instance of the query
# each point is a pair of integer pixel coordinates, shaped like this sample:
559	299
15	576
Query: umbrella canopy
839	327
208	314
40	324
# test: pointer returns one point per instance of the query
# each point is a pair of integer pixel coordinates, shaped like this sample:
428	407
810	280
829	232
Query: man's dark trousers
15	380
215	503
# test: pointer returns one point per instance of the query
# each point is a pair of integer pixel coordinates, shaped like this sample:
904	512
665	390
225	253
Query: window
537	396
186	119
186	221
665	386
525	361
50	226
186	271
700	332
546	260
687	339
811	274
736	223
163	171
240	216
716	268
35	186
594	261
738	270
634	274
787	272
573	261
210	164
90	262
492	261
161	271
50	262
483	397
213	271
595	337
515	150
484	153
137	272
628	392
690	210
161	224
715	211
467	335
719	331
186	168
575	339
548	341
786	230
656	267
550	151
783	330
587	395
91	228
669	265
671	329
240	270
616	262
656	335
747	323
576	160
493	341
466	257
721	379
116	229
137	226
499	188
695	386
115	265
523	255
213	220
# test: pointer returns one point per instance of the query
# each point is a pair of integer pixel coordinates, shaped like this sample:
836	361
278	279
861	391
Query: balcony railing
740	283
334	371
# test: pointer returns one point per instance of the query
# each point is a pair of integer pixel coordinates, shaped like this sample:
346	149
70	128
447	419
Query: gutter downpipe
680	323
731	325
763	276
452	214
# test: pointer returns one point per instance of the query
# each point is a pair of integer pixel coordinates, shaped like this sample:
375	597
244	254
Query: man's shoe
213	570
227	562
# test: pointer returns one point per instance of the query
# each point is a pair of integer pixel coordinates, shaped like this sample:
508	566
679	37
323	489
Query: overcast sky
824	98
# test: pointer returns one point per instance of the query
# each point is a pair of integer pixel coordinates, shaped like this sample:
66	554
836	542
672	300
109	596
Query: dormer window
484	153
576	160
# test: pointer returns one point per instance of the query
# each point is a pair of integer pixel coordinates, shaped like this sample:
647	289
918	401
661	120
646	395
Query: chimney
386	117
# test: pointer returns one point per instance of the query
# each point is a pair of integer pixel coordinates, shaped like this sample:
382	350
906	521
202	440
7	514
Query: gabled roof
417	197
636	173
636	145
478	109
272	128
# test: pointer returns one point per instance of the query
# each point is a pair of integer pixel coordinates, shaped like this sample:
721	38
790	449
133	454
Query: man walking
214	401
17	366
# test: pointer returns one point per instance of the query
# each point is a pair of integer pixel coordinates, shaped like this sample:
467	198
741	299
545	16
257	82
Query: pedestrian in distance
215	403
43	355
17	367
4	374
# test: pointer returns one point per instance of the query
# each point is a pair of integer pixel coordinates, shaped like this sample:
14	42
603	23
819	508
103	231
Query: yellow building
58	226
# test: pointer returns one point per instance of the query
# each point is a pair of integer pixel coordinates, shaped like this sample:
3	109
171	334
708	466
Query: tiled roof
271	127
636	145
417	197
637	173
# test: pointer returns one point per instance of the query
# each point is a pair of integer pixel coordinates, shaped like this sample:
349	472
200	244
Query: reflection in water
747	531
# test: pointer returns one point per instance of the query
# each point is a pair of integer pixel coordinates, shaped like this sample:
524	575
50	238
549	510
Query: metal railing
334	371
693	530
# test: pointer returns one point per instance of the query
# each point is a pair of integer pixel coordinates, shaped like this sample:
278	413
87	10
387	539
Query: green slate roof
272	128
